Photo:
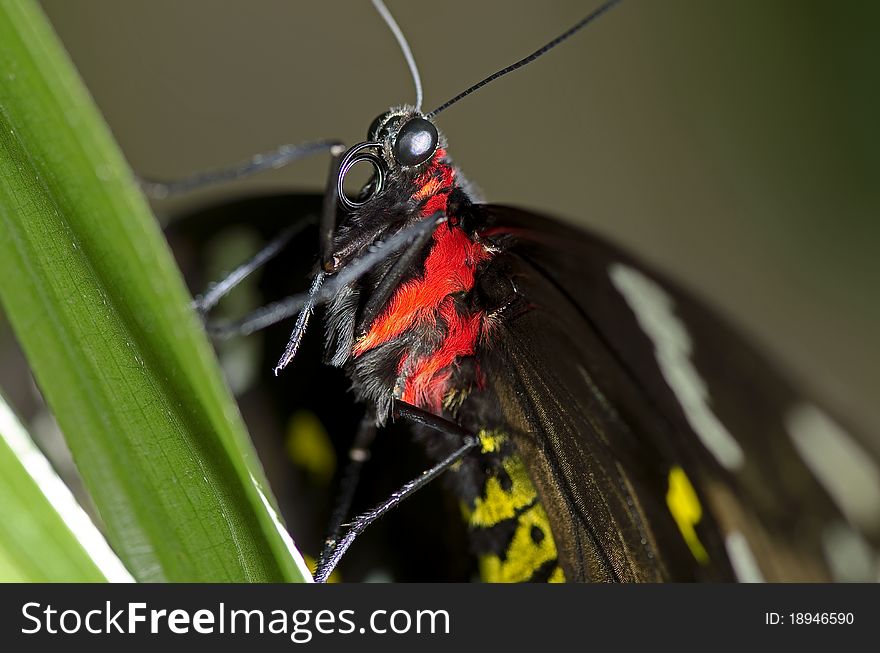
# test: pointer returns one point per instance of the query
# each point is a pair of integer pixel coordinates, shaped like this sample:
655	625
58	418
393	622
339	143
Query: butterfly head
400	144
408	138
411	180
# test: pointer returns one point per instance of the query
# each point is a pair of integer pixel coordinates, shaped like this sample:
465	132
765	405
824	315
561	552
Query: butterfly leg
273	313
358	455
216	291
205	301
411	413
278	158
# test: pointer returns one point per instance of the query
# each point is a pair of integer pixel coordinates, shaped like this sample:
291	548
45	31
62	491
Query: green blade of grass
98	305
45	536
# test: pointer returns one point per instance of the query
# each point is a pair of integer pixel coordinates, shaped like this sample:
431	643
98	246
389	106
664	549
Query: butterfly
595	421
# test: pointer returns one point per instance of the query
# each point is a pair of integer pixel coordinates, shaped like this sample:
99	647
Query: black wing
663	446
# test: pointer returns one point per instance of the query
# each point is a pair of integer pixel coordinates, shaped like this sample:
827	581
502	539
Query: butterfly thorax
415	346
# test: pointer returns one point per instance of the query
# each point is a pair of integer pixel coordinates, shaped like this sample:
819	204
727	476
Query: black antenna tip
529	59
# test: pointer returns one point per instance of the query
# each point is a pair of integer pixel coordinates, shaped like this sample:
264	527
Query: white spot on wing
742	559
60	498
847	472
285	536
653	309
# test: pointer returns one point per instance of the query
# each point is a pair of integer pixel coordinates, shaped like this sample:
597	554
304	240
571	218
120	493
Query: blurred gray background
735	145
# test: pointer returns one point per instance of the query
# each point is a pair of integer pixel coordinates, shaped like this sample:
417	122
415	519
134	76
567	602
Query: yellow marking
498	504
524	556
558	576
491	441
309	447
312	564
686	510
519	502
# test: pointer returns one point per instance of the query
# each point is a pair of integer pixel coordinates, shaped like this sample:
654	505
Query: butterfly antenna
529	59
404	47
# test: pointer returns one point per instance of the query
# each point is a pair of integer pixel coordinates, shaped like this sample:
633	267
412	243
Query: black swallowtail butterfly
597	422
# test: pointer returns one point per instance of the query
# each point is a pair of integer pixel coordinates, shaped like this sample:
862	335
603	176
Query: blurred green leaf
44	534
98	305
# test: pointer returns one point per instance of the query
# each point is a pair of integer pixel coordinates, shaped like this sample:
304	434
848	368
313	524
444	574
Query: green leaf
99	307
44	534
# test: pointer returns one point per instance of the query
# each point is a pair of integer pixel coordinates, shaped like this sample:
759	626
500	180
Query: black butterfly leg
326	231
216	291
327	226
278	158
270	314
357	457
328	562
219	289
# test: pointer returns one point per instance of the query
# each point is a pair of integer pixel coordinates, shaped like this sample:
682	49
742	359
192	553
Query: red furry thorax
427	300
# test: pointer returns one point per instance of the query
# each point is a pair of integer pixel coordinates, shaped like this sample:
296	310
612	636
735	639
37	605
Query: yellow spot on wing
683	503
309	447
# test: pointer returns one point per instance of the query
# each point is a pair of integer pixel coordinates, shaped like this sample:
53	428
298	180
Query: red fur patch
438	175
449	268
434	185
427	384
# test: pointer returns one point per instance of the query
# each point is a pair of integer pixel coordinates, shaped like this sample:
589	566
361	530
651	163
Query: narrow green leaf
98	305
45	536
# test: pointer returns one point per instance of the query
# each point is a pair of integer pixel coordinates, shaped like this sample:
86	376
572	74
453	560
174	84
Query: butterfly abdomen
509	528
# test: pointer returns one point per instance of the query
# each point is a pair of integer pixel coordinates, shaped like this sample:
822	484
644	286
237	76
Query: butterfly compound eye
416	142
